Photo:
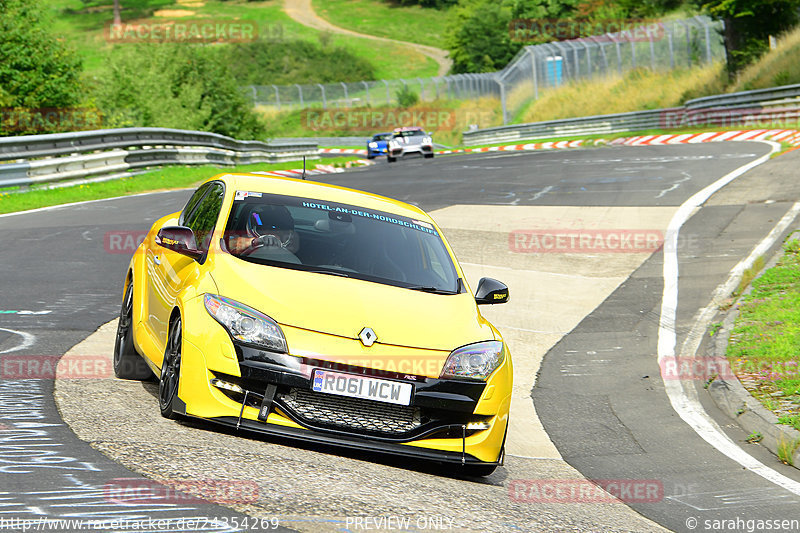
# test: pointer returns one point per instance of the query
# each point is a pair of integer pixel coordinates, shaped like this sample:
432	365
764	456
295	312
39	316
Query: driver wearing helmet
267	225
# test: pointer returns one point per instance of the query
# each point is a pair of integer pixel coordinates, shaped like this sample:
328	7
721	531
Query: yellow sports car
331	315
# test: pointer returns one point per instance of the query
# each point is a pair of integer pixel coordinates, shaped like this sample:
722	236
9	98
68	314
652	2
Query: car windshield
382	137
345	240
412	133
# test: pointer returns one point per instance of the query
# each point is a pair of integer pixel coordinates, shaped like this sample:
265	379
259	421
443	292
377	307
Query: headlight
474	361
373	144
245	323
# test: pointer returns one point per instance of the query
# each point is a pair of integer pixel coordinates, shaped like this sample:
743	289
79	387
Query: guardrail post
669	45
688	42
421	89
344	85
564	61
388	98
366	88
708	39
619	53
503	100
324	101
588	58
277	97
633	53
300	92
534	66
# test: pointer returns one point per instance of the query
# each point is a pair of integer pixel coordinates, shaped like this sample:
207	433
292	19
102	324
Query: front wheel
390	159
170	371
128	364
428	156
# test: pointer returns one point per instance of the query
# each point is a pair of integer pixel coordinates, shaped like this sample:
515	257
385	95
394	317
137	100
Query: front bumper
462	422
417	149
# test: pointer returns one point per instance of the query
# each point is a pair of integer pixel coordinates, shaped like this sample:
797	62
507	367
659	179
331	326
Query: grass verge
83	24
161	179
415	24
764	347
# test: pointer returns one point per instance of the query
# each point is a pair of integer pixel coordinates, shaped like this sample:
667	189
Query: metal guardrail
783	94
776	106
79	155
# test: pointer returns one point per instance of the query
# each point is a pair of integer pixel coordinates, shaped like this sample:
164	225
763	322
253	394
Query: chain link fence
657	46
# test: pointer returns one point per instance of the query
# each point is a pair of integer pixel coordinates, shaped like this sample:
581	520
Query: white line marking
83	202
542	192
27	340
690	409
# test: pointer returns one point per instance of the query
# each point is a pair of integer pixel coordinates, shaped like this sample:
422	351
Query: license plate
367	388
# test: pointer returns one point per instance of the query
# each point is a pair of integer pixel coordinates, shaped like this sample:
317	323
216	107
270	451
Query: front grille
351	413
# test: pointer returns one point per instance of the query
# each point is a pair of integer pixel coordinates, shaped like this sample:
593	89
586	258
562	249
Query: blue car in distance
378	145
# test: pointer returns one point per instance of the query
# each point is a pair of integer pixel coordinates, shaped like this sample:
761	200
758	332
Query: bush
406	97
36	69
478	36
174	86
267	62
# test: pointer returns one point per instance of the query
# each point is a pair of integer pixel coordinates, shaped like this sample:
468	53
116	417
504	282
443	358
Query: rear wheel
170	371
390	159
128	364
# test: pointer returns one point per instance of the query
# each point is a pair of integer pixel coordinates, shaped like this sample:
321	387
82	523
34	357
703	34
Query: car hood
343	307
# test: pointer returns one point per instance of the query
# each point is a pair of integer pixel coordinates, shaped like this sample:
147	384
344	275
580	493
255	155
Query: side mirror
491	291
179	239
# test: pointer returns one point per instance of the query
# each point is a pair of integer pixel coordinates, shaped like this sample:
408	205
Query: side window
190	205
203	218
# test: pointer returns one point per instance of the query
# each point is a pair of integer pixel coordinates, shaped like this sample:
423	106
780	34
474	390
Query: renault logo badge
367	337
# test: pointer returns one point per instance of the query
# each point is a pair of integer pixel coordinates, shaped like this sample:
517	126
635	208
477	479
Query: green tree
174	86
748	25
36	69
478	36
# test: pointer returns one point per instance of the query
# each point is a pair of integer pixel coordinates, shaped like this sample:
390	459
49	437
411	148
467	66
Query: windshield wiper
426	288
329	272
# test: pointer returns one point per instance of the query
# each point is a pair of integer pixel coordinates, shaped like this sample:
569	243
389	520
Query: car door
171	271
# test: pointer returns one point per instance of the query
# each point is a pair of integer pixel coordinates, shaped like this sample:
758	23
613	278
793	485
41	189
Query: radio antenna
304	167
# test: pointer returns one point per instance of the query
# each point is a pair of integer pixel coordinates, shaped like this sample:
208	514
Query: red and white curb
790	136
355	151
319	169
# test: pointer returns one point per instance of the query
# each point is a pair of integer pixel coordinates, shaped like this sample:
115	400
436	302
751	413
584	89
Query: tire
428	156
170	371
390	159
370	156
128	364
